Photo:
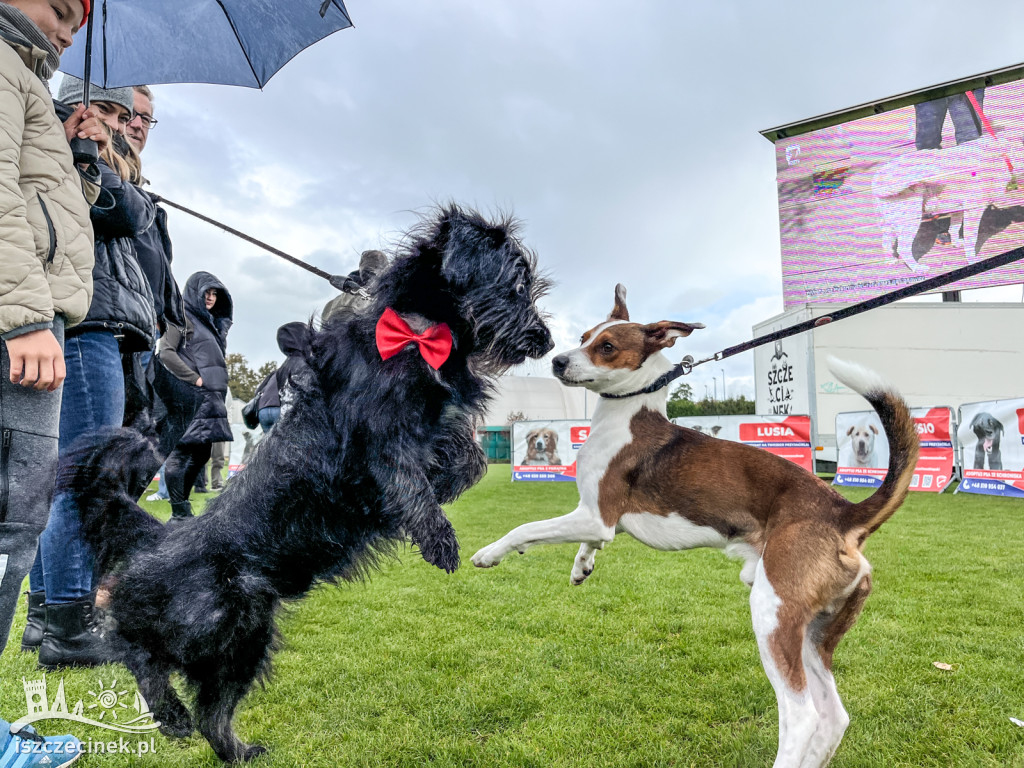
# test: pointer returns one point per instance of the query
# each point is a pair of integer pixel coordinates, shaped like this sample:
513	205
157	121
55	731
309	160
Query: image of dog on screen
542	448
988	429
962	188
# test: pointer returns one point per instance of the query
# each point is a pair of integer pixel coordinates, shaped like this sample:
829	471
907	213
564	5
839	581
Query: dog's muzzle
539	342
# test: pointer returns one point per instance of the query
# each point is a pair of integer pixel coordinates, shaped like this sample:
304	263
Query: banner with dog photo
864	449
788	437
546	450
991	436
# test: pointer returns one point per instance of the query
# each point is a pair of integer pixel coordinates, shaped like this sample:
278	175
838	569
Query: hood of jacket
218	319
293	339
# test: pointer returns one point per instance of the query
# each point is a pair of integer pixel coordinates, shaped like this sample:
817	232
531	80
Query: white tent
538	398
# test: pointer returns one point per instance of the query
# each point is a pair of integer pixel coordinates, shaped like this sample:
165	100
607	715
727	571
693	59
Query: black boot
70	639
181	509
33	635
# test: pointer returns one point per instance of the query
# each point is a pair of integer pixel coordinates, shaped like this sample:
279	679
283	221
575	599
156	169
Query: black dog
988	429
364	459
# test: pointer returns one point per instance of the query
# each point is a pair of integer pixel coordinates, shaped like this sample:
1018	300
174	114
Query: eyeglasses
146	120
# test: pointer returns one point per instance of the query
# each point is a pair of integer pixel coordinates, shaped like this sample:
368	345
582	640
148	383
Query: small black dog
364	459
988	429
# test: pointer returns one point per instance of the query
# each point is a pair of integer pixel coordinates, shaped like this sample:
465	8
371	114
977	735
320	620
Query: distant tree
266	369
514	416
242	379
680	402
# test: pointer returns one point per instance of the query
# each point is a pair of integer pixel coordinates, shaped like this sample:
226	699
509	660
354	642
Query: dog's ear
850	430
619	311
665	332
874	428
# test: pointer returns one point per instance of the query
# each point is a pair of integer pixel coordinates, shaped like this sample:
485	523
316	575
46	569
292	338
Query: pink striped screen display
876	204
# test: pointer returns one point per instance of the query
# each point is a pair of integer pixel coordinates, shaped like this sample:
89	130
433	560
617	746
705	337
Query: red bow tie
394	334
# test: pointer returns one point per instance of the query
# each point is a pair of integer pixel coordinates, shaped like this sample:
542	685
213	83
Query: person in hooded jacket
120	319
293	340
194	395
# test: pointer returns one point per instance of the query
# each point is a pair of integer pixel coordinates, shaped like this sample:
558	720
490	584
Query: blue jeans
93	398
268	417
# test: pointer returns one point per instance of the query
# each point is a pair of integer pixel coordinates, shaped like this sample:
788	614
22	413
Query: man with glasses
142	118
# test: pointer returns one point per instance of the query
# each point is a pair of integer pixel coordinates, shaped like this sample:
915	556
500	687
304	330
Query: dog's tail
105	472
903	445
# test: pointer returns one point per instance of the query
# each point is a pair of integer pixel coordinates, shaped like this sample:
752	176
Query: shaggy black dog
362	461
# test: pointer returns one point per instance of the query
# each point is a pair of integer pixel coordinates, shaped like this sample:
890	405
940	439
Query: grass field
651	662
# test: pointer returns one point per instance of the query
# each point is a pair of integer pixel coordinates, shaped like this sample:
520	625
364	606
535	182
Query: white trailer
935	353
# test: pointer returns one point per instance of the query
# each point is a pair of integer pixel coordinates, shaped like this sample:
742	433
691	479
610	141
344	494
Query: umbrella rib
240	44
106	68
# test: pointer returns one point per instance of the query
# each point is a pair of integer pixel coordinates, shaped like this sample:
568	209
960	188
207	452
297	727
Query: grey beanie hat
72	91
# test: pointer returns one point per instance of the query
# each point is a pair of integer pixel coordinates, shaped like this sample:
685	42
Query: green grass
651	662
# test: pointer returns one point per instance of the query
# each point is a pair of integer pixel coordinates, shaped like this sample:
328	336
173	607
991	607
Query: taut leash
686	366
338	281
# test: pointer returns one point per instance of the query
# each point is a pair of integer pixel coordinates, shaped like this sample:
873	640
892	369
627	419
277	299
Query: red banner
788	438
934	467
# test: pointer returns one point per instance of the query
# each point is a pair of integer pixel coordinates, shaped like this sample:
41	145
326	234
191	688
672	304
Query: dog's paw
253	751
176	729
579	576
444	554
488	557
441	549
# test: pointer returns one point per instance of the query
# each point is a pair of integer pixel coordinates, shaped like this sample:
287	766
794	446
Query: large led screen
882	202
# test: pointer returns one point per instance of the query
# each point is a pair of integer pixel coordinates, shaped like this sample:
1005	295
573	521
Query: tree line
681	403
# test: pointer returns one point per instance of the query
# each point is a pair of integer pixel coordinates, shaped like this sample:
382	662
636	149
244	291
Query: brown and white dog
674	488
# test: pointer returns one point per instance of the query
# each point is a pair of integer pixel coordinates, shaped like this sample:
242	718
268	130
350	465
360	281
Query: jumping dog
674	488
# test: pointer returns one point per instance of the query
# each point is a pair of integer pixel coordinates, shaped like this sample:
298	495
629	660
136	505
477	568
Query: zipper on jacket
49	230
5	473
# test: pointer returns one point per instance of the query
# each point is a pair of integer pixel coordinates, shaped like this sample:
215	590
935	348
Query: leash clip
686	366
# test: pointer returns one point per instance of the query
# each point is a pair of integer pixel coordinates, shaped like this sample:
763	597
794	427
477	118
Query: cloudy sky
623	135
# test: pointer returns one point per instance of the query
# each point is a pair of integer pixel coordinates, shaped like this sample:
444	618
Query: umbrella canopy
229	42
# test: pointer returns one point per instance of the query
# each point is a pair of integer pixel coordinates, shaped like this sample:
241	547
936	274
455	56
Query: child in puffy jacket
46	260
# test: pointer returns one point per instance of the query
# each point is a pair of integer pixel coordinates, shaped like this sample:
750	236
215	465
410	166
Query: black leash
338	281
688	364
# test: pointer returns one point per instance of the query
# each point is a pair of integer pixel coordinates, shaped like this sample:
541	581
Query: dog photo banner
788	437
882	202
991	436
864	449
545	451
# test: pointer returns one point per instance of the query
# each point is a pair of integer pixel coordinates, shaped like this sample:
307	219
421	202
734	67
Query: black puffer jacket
122	300
293	340
203	351
153	248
